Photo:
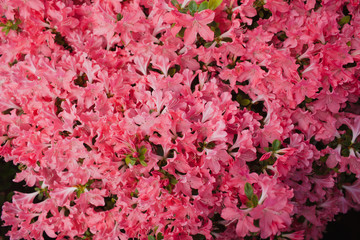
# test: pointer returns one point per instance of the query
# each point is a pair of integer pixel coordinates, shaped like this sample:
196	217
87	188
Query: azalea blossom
193	24
179	119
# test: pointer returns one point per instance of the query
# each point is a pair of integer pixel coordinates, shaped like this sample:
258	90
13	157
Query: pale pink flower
62	195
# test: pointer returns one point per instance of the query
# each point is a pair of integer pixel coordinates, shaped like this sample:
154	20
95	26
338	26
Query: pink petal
190	34
206	33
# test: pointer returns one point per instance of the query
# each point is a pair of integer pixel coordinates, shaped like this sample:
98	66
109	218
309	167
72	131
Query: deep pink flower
354	191
245	223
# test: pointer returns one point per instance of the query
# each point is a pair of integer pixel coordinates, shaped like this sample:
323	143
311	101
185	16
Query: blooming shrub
157	119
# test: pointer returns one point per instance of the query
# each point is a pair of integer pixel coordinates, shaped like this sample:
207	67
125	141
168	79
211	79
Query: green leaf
135	193
150	237
308	100
204	5
261	14
347	141
142	162
142	157
142	150
217	32
40	196
6	30
183	10
198	237
356	146
172	72
344	20
16	25
208	44
181	32
10	25
249	192
213	4
210	145
254	200
173	181
245	102
159	236
175	3
345	152
276	145
127	160
130	160
258	3
119	17
192	7
249	204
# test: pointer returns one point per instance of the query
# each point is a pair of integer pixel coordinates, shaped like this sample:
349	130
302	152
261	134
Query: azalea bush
159	119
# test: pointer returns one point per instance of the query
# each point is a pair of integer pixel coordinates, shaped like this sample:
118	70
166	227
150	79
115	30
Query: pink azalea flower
277	6
273	209
354	126
246	11
162	63
354	191
299	235
244	224
22	199
135	130
62	195
193	24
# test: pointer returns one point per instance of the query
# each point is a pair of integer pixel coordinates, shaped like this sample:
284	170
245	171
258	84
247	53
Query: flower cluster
159	119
